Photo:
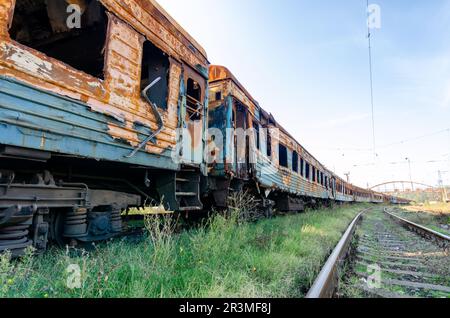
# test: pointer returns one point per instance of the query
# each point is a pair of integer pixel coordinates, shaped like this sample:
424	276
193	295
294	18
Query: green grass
272	258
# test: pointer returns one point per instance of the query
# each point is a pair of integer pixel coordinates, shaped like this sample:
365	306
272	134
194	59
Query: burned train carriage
96	115
257	153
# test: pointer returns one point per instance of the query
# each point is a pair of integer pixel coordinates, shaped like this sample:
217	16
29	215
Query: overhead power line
369	35
401	142
393	163
417	138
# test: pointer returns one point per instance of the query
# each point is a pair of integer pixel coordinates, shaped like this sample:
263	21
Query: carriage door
241	141
195	96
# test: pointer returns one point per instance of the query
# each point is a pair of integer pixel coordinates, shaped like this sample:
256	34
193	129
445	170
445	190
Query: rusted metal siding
118	95
275	178
271	175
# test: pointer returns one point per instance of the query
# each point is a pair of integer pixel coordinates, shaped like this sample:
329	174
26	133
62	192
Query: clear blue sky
306	61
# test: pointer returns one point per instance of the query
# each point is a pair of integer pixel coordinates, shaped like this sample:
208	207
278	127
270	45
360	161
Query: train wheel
57	229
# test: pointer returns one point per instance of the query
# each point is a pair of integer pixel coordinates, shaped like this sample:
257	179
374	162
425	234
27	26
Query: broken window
314	174
193	100
269	144
155	65
44	26
307	171
214	95
295	161
257	137
283	156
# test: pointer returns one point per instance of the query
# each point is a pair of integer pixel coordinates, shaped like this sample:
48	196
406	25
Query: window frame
295	161
191	74
108	20
257	130
286	156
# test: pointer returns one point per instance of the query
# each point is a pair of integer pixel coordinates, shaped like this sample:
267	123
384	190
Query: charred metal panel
267	170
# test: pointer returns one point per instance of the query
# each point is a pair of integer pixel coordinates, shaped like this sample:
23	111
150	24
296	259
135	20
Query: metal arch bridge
412	183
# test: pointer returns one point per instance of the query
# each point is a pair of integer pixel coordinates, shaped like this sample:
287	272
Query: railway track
382	255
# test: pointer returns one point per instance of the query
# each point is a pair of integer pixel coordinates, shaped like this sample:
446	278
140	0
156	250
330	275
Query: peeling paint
27	61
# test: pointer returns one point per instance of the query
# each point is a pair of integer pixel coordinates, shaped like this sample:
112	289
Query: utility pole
410	174
348	176
442	186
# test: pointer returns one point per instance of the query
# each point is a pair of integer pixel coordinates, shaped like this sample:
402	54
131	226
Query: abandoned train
115	109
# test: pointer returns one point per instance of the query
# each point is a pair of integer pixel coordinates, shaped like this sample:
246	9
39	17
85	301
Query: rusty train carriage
73	111
297	172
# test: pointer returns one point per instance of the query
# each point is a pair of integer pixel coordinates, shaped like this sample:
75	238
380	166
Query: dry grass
434	216
438	208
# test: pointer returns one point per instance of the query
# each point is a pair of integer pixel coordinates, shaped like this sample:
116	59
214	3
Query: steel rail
326	283
441	239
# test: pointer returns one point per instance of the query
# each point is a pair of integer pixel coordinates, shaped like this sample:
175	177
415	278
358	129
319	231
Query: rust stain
42	145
